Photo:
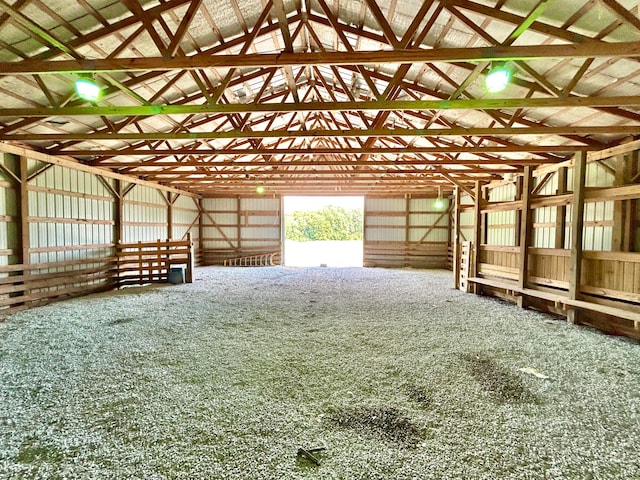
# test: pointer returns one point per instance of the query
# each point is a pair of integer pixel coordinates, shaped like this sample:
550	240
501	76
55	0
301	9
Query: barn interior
203	115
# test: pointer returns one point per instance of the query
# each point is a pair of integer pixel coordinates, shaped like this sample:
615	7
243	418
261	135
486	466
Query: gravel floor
394	372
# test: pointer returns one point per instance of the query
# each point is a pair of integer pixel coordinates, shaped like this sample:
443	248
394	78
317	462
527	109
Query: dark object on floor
308	453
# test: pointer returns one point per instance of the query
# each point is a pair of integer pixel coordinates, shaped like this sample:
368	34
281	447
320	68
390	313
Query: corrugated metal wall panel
401	232
544	229
501	228
144	215
240	227
185	218
68	208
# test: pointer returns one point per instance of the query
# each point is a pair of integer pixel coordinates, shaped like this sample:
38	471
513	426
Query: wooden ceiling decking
319	96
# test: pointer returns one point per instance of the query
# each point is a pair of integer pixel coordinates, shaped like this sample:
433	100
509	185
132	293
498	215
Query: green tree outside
329	223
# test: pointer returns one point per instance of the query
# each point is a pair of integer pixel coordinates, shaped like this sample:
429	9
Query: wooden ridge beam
322	163
394	105
402	56
321	172
327	150
378	132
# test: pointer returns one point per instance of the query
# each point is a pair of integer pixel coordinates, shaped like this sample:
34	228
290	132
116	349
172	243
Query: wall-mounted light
87	89
260	189
498	78
439	203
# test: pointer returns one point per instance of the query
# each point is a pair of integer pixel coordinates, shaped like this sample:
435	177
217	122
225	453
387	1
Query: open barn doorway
323	231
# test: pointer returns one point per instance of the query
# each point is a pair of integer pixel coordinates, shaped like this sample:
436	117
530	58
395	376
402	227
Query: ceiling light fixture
87	89
498	78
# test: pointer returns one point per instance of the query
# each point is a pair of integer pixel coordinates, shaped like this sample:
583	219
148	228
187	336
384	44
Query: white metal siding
402	232
144	216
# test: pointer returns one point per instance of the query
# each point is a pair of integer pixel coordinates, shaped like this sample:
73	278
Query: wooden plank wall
405	232
608	287
234	227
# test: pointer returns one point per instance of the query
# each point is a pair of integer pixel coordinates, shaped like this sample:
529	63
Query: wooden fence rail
142	263
27	286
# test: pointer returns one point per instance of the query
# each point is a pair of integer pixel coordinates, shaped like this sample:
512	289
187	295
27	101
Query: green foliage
330	223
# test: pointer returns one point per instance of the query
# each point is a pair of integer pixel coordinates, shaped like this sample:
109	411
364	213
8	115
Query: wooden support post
518	220
622	215
456	238
188	276
239	229
407	206
24	238
526	224
171	199
632	233
575	259
561	210
200	230
477	233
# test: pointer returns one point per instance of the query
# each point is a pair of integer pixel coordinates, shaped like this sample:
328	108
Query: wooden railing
142	263
27	286
263	260
609	284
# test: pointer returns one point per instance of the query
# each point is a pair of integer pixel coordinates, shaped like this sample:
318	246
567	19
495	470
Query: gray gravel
394	372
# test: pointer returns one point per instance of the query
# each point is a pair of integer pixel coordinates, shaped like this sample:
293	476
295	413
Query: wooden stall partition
142	263
579	259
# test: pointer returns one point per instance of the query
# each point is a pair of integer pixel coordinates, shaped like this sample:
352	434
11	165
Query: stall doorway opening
323	231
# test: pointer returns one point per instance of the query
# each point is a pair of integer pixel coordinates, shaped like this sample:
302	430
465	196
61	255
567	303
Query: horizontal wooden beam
389	172
381	105
64	161
266	151
321	163
380	132
376	57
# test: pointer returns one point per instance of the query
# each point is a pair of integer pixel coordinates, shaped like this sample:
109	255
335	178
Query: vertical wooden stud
526	224
200	230
518	220
561	210
24	237
171	200
407	246
456	238
239	227
190	261
477	233
575	259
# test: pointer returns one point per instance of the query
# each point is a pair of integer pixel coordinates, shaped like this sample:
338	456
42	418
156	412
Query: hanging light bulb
87	89
498	78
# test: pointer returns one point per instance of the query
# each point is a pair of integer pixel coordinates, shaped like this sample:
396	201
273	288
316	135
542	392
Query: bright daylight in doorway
323	231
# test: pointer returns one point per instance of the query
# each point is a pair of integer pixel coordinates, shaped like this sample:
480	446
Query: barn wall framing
409	231
60	223
574	252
